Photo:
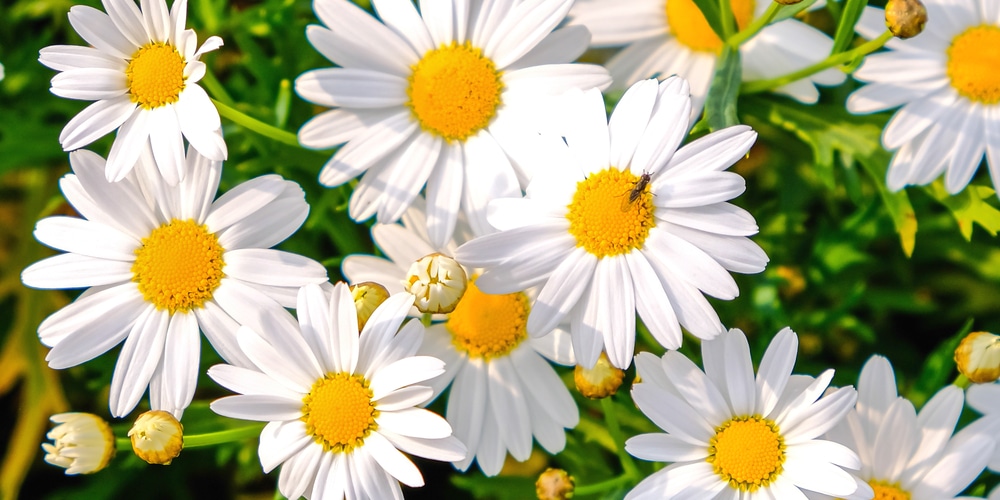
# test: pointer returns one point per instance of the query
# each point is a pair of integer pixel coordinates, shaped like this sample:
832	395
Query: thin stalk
206	439
250	123
755	27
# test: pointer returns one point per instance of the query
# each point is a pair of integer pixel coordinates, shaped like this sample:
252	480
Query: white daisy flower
910	454
731	434
440	97
142	71
503	392
620	221
340	406
947	82
985	399
672	37
163	263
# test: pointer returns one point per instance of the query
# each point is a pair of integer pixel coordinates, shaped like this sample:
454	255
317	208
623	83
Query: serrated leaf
720	107
969	208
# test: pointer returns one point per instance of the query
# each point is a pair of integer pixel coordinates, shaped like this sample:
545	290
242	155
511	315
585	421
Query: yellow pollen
747	452
689	26
454	91
155	75
339	412
488	326
602	218
887	491
178	266
974	64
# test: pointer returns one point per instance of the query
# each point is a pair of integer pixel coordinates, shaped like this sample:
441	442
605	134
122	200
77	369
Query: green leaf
969	207
792	10
720	106
710	9
845	28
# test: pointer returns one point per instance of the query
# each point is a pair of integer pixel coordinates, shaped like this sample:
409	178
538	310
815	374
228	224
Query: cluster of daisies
520	226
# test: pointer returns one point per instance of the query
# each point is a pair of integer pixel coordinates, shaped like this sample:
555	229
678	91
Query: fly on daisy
732	434
503	390
946	83
596	265
442	97
672	37
341	405
169	265
142	70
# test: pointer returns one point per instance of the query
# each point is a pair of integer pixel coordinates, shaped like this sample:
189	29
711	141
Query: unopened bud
905	18
601	381
554	484
82	443
157	437
367	297
978	357
438	283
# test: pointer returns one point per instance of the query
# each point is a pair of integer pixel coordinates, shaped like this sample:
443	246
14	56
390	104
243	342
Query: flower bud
157	437
554	484
905	18
82	443
601	381
438	283
978	357
367	297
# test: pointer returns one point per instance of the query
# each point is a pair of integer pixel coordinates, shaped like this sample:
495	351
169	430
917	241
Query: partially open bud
367	297
978	357
905	18
438	283
554	484
82	443
157	437
601	381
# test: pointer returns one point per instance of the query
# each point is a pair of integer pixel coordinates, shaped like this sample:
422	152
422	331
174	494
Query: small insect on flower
636	191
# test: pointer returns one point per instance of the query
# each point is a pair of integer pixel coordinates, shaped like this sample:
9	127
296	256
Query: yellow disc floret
178	266
454	91
488	326
339	412
974	64
886	491
607	216
689	26
155	75
747	452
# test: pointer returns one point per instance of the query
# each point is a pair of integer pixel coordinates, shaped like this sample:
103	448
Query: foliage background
840	272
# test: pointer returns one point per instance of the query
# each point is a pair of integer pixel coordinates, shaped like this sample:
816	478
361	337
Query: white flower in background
442	97
340	406
985	399
672	37
946	83
161	263
911	455
618	220
142	71
503	391
82	443
731	434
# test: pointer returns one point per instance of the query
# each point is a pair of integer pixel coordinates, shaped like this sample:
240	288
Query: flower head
621	221
142	71
162	263
731	434
946	83
442	97
82	443
340	406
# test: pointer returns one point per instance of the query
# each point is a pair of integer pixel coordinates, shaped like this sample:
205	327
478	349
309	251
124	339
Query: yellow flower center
886	491
974	64
488	326
608	216
155	75
454	91
339	412
747	452
178	266
690	27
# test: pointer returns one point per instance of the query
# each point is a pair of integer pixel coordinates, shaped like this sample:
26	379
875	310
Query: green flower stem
962	382
208	438
758	24
728	23
603	486
250	123
831	61
615	429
